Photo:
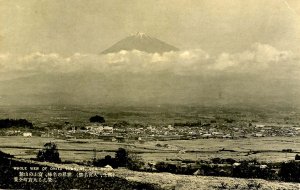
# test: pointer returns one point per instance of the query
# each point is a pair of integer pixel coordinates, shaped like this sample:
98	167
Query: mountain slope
141	42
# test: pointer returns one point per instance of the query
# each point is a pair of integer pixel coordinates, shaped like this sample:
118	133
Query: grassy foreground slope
185	182
170	181
8	175
127	179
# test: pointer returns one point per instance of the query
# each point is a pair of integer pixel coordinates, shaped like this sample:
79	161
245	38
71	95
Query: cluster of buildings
99	129
205	129
23	133
174	132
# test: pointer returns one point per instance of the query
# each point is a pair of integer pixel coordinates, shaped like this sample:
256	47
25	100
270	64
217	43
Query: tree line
7	123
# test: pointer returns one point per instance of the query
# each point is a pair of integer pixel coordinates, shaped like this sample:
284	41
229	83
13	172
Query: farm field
269	148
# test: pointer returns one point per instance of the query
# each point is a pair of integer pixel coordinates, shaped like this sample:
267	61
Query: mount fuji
141	42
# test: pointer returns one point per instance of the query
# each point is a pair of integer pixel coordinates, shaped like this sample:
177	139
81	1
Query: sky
231	51
68	27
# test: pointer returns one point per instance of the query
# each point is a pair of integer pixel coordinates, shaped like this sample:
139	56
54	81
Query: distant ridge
141	42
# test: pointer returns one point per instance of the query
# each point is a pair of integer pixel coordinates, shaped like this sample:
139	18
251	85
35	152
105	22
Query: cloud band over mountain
262	74
259	58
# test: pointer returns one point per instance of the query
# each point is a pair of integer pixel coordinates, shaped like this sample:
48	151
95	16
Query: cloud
259	59
124	61
261	56
261	73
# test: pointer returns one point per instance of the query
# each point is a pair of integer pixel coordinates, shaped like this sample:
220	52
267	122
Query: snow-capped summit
140	35
142	42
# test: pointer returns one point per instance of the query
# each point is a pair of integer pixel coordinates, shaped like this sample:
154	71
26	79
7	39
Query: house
217	134
141	140
236	164
170	127
199	172
258	135
227	136
108	129
27	134
207	135
95	128
108	167
260	125
263	166
290	134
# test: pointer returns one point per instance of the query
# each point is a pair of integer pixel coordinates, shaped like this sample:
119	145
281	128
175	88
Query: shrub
166	167
49	153
135	162
254	185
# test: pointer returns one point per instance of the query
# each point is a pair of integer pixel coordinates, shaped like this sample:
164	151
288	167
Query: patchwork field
269	149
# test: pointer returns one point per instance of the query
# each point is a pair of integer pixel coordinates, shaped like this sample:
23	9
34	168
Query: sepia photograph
150	94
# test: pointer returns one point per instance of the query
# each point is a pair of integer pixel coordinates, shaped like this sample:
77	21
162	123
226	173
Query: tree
108	160
97	119
166	167
49	153
7	123
290	171
122	157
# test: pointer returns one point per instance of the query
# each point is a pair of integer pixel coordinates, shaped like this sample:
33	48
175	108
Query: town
124	131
